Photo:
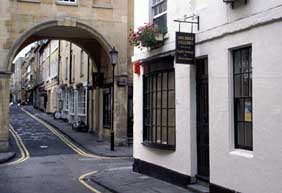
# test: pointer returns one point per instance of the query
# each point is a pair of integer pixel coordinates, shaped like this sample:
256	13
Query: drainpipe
87	111
70	73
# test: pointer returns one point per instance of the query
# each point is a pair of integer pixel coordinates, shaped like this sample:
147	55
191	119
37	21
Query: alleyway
53	167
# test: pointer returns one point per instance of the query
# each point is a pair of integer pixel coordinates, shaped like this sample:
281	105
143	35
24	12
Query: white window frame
82	98
67	2
154	17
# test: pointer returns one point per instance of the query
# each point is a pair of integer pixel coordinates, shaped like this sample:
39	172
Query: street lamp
114	58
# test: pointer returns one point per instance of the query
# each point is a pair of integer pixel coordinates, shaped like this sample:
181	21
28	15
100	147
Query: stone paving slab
88	141
124	180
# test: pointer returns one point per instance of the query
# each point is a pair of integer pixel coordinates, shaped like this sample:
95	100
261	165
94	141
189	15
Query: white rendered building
220	119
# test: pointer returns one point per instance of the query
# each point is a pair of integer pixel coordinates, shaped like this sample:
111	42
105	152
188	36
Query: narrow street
53	167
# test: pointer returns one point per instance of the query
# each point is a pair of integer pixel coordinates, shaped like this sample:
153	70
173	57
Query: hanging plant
148	35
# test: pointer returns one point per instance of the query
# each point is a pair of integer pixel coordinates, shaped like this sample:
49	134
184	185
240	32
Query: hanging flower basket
148	36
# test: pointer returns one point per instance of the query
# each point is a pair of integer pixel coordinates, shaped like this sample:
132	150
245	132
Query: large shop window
159	108
242	61
159	12
107	109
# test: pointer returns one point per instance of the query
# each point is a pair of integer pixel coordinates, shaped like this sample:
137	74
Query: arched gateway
94	25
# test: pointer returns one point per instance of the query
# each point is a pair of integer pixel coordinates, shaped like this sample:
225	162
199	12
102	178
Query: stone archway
66	28
63	28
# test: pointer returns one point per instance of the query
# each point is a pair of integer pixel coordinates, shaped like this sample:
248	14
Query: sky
23	51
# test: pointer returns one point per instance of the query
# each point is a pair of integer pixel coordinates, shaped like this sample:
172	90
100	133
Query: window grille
159	108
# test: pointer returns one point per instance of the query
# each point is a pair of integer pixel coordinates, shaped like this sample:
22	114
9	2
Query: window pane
154	116
250	60
245	60
159	117
165	81
171	81
154	100
159	79
250	85
171	99
249	134
159	105
164	118
164	135
164	97
237	62
240	134
171	135
171	117
154	134
239	110
237	85
159	135
248	110
245	78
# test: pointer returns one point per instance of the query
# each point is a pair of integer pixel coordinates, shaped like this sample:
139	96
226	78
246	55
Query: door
202	118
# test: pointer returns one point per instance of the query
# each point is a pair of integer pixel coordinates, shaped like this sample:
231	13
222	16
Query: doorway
202	87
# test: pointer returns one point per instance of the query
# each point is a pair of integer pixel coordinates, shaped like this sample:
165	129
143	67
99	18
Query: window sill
242	153
103	6
30	1
159	146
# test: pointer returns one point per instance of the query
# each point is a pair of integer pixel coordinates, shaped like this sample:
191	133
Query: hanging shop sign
185	48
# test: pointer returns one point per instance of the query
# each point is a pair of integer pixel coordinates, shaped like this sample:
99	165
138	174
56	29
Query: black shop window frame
243	105
159	130
107	109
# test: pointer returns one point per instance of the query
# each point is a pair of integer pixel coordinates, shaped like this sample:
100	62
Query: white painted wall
178	160
246	171
259	24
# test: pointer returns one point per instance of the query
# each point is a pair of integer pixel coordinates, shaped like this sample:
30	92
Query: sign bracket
189	20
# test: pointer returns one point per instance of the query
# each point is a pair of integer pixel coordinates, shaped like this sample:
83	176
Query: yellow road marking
81	180
24	152
65	139
73	147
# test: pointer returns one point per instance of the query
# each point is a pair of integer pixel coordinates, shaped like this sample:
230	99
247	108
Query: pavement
88	141
124	180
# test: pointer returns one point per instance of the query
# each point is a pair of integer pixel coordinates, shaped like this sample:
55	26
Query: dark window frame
107	109
151	110
242	94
